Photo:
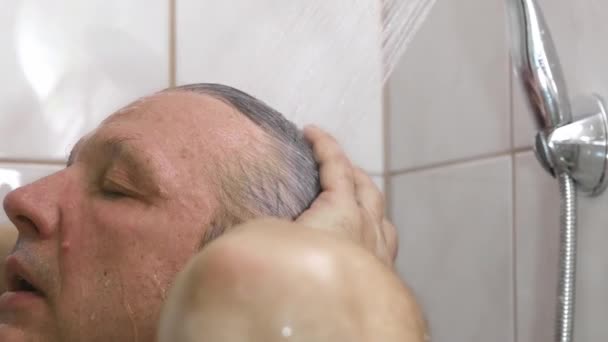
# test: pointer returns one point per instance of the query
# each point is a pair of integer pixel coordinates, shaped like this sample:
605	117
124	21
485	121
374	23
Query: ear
8	236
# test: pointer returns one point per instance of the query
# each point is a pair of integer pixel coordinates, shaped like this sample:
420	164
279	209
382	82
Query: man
101	242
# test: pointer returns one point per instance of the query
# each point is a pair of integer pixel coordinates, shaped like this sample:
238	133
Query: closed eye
113	191
113	194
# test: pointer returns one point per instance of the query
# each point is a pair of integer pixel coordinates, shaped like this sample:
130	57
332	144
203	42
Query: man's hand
350	205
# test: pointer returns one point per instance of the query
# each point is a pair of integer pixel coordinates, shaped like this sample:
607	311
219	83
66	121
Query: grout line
32	161
457	161
511	106
514	152
375	174
522	150
172	43
514	243
386	115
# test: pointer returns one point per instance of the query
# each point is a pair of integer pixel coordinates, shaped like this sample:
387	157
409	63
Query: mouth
19	280
19	284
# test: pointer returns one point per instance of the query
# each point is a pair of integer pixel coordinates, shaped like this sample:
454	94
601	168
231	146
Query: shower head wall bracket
579	148
571	139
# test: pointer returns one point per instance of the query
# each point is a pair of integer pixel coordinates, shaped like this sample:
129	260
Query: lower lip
11	301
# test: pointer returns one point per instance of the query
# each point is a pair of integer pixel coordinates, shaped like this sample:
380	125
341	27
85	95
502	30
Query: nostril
25	222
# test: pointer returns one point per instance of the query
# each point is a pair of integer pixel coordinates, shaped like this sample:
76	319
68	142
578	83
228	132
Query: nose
34	209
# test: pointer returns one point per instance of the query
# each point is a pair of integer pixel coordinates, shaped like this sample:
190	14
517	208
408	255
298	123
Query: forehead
180	108
180	120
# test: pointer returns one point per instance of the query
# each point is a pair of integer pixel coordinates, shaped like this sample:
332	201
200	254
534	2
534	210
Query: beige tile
300	59
13	176
537	231
455	232
591	308
449	97
579	29
537	238
67	64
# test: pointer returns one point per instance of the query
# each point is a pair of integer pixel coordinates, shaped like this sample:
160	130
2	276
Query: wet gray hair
279	179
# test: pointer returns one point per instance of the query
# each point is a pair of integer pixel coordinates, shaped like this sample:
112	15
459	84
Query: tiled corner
455	228
66	65
13	176
299	59
537	230
579	29
449	96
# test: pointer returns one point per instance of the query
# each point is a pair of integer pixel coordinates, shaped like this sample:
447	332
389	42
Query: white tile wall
67	64
13	176
537	231
449	97
579	29
312	71
455	228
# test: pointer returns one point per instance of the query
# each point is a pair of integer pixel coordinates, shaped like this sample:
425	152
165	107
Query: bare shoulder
268	279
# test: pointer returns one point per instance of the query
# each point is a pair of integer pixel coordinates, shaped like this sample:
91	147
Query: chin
19	331
11	333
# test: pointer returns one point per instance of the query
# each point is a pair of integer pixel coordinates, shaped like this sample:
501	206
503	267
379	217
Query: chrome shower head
537	63
575	146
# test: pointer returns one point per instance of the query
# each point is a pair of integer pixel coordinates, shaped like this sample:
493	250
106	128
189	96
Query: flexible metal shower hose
567	271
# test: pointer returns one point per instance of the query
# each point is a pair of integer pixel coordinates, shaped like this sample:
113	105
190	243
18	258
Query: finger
335	169
328	213
368	195
392	239
371	203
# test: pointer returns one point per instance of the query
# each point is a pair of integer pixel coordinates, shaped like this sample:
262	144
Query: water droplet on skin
161	289
286	332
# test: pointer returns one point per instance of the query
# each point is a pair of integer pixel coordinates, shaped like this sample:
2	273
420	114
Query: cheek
122	260
122	224
146	245
100	242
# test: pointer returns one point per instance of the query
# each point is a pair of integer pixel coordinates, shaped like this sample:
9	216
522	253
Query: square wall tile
449	96
455	235
13	176
311	63
537	247
67	64
579	29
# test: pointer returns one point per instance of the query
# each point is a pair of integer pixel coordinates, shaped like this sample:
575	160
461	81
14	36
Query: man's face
103	239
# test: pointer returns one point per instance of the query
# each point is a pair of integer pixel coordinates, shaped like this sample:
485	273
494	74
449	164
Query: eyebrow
115	145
